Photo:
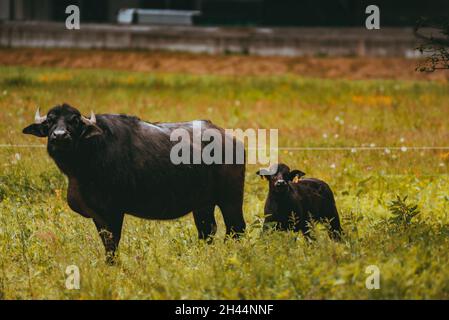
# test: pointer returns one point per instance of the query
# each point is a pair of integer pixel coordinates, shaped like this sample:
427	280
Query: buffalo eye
51	119
74	120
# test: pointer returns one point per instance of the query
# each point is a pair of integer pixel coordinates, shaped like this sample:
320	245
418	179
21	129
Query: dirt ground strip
150	61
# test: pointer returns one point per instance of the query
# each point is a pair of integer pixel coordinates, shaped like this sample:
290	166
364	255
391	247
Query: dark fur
124	166
294	205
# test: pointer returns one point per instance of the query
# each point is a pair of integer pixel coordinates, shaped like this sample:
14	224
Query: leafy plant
436	48
402	212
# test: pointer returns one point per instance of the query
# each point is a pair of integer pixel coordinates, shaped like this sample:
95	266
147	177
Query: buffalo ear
36	129
295	175
91	130
263	173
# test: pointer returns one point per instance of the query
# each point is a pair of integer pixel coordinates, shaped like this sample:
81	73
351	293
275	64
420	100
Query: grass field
40	236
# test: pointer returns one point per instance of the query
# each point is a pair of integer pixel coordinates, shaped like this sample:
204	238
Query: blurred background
259	27
234	12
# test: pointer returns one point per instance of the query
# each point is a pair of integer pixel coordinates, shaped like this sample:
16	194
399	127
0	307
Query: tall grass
40	236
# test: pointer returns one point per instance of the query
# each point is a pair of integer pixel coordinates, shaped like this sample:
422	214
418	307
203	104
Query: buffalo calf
293	203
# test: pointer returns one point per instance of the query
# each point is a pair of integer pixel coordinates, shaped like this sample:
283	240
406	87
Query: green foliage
402	212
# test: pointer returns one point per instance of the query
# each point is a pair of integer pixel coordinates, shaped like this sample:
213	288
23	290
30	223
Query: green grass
40	236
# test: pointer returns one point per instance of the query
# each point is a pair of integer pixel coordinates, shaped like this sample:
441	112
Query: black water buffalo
292	203
119	164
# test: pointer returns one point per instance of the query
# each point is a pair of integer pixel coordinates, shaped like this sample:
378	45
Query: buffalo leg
205	223
304	226
335	230
230	198
233	219
110	233
303	220
270	223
